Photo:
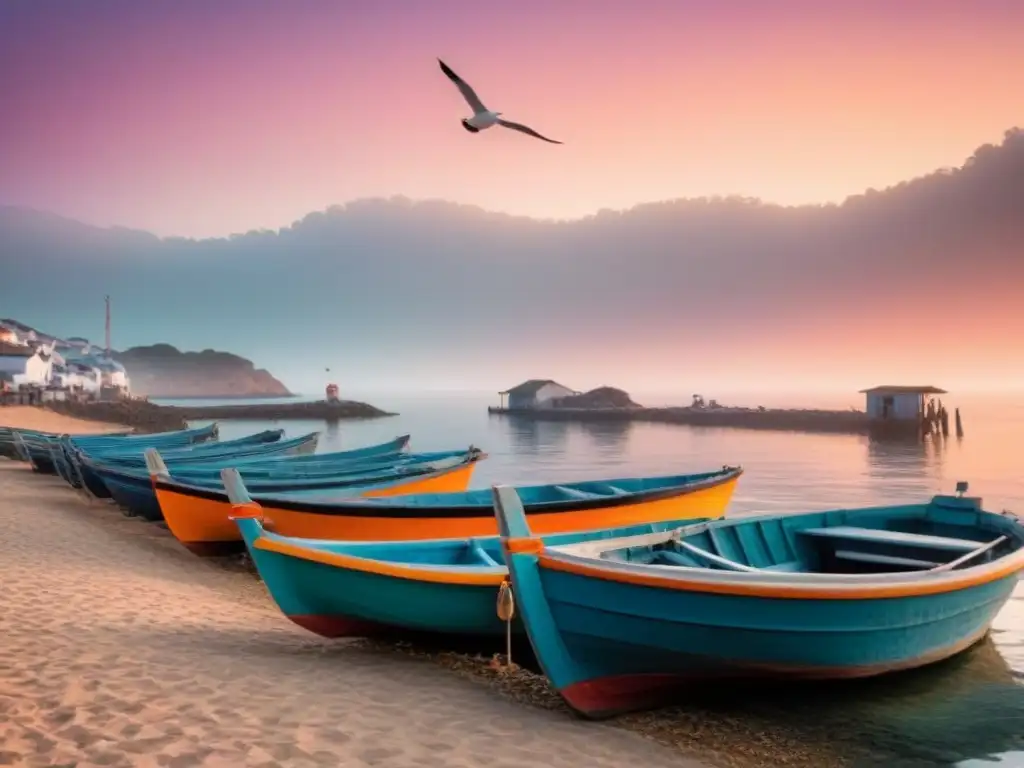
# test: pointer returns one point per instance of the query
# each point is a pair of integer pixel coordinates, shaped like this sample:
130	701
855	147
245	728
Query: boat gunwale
142	472
373	483
272	449
391	507
773	584
466	575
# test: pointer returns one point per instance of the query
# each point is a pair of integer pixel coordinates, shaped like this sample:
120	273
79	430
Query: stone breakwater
145	416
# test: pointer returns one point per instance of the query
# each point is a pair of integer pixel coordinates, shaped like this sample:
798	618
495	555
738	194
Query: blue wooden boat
344	589
84	466
38	446
129	453
627	624
133	489
9	445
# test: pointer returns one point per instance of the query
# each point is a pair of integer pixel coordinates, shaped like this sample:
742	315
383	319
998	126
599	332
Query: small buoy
506	608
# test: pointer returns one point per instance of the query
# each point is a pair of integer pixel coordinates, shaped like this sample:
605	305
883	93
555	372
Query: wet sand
120	648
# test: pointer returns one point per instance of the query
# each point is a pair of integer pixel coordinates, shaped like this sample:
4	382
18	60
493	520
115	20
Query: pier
889	409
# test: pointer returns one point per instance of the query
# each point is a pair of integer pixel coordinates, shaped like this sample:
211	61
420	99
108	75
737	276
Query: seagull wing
528	131
467	93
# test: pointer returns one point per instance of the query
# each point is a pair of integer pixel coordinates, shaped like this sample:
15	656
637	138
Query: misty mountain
405	287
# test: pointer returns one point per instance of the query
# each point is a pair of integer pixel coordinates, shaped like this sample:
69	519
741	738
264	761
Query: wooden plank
893	537
871	557
573	493
969	556
481	553
712	558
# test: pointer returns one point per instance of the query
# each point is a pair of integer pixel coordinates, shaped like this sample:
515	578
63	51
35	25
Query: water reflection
533	436
968	707
906	463
608	436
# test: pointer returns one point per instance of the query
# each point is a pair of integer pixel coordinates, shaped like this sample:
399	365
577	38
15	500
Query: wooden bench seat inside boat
889	561
898	538
573	493
480	553
614	490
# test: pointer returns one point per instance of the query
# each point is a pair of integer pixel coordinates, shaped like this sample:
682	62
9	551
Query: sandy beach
122	649
45	420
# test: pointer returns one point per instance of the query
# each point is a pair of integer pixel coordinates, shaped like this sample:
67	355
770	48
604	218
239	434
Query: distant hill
161	370
398	289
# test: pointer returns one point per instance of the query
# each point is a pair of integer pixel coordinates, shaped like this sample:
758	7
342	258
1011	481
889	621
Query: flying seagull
483	117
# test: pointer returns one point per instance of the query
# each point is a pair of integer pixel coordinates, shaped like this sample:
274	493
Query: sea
968	712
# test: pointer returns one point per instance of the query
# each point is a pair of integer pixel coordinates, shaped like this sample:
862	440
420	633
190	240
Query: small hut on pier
907	405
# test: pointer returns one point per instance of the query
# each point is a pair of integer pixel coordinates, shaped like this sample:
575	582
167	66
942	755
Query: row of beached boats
629	590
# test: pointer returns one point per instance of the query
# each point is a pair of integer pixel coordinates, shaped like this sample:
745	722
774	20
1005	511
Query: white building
25	365
896	403
114	374
535	393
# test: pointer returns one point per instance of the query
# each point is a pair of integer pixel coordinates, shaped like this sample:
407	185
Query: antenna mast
107	300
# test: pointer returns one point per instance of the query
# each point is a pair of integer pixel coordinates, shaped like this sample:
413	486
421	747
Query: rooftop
15	350
531	387
892	389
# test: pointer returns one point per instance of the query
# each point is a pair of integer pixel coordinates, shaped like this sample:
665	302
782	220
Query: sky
199	118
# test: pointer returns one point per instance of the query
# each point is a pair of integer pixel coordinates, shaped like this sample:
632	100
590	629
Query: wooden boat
625	624
346	588
272	466
200	518
133	490
437	510
130	455
9	446
85	466
38	447
73	462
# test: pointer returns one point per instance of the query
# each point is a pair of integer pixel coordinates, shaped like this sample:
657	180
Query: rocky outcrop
602	397
140	415
163	371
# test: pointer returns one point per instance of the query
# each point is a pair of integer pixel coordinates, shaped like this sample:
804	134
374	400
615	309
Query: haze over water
969	708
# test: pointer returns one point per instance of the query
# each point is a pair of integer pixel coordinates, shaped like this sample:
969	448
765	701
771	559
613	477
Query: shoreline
141	653
213	672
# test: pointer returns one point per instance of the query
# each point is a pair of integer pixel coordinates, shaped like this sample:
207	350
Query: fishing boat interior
947	534
483	552
558	495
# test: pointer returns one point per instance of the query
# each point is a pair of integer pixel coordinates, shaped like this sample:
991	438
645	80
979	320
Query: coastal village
36	367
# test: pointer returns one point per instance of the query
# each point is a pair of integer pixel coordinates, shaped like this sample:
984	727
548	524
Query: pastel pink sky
205	118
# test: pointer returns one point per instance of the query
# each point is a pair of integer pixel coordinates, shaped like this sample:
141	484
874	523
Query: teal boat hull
618	631
442	586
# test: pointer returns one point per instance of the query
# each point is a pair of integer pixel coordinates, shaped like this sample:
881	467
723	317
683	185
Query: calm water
967	710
